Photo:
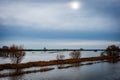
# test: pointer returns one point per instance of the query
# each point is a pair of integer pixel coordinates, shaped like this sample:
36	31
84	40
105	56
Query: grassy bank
20	72
53	62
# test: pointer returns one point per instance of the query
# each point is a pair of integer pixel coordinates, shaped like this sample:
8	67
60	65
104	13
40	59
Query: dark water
98	71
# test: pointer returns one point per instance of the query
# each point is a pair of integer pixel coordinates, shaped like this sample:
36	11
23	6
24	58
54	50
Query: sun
75	5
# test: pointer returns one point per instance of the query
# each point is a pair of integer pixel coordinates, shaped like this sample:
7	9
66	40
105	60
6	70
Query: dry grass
52	62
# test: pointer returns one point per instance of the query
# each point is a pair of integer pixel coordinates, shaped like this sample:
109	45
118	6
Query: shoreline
54	62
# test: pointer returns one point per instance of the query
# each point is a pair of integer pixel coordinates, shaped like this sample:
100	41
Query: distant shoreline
5	50
57	49
64	49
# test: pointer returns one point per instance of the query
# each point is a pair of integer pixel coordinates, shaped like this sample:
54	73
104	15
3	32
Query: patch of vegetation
112	51
52	62
75	54
14	52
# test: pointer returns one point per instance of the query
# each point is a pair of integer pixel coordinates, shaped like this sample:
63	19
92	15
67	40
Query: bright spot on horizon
75	5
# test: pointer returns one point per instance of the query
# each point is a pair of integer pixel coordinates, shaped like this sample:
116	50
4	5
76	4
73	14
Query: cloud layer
55	19
58	15
49	43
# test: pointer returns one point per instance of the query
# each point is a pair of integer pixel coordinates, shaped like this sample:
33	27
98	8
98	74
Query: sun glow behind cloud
57	19
53	16
75	5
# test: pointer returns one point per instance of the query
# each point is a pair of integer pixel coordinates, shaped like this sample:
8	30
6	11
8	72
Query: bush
60	57
75	54
111	50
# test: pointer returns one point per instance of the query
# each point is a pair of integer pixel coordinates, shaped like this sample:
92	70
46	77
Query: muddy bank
55	62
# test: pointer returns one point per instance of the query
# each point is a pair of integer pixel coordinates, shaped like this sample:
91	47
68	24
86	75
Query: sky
87	20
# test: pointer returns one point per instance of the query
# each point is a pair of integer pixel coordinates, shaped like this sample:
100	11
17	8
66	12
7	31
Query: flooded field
31	56
97	71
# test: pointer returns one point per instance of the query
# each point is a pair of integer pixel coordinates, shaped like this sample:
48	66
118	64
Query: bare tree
75	54
60	57
16	54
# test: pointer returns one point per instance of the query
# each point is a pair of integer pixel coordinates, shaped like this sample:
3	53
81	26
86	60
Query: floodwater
96	71
31	56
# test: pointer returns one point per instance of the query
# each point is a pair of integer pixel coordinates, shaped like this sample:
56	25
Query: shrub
111	50
60	57
75	54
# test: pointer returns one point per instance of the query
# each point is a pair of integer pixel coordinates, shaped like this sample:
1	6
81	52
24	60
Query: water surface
98	71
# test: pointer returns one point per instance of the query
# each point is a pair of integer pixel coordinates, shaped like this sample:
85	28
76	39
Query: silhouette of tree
16	54
111	50
4	51
5	47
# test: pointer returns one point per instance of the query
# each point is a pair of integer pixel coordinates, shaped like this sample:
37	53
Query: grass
72	62
52	62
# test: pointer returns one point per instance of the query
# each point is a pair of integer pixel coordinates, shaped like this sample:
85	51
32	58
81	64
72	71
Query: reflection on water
99	71
16	77
15	56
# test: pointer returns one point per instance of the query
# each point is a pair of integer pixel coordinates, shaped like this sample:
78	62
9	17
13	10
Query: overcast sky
56	19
